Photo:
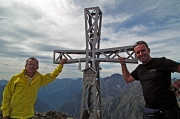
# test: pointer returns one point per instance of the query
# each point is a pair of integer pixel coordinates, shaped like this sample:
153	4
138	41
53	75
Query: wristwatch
173	88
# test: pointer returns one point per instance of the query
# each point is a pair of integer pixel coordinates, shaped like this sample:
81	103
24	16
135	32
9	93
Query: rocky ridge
49	115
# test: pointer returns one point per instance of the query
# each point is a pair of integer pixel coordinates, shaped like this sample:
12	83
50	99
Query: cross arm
101	55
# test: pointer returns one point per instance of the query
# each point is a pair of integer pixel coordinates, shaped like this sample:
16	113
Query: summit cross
91	94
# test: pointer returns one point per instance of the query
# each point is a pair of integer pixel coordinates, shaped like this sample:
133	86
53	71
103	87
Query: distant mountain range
119	99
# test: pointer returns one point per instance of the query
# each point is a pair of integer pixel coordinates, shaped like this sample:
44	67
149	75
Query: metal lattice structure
93	55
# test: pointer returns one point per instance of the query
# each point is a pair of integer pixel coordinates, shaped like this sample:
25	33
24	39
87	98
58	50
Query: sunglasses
140	42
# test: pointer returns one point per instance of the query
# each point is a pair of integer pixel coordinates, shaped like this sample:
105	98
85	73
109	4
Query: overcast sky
38	27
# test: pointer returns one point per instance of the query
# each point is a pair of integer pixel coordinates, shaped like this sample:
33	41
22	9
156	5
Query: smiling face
142	53
31	66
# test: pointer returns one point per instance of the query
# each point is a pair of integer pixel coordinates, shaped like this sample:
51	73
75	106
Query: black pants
169	113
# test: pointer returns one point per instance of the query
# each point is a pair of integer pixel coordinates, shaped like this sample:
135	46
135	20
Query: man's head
142	51
140	42
32	65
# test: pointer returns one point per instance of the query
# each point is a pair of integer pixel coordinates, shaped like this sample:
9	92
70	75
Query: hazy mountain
3	82
41	106
60	91
119	99
113	85
126	105
73	107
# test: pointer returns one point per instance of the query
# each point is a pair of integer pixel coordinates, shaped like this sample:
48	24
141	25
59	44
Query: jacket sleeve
7	93
51	76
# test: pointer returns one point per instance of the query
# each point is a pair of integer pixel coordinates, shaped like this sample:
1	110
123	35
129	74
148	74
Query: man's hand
122	60
177	93
62	61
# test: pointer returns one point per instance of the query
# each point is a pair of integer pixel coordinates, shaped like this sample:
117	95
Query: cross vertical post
91	94
91	97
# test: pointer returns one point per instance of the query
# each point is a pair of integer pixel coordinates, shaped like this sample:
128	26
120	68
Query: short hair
140	42
32	58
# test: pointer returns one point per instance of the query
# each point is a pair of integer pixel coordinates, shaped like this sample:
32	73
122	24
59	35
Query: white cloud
37	27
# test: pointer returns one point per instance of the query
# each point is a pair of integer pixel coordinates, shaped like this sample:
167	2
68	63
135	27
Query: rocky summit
49	115
52	115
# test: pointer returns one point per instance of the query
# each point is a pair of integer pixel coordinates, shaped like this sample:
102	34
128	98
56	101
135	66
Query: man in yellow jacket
20	93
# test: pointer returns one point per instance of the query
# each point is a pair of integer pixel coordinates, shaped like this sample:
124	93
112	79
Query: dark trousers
169	113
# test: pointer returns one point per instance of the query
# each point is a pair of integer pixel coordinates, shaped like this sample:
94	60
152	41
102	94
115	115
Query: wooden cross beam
92	56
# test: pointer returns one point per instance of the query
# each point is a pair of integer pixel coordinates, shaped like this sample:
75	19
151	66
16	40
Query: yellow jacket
19	95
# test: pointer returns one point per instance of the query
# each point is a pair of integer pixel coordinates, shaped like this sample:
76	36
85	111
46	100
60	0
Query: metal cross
91	94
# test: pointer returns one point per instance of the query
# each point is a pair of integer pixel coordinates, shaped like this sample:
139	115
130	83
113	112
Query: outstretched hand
122	60
177	93
62	61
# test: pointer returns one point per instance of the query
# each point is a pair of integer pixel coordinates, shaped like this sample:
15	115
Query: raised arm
49	77
127	76
62	61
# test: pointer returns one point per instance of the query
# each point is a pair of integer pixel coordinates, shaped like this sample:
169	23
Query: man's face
31	66
142	53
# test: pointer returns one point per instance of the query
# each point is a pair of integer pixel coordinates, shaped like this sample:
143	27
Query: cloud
37	27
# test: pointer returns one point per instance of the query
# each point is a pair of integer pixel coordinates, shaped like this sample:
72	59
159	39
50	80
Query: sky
38	27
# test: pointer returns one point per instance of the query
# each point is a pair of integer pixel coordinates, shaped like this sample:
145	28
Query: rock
49	115
52	115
